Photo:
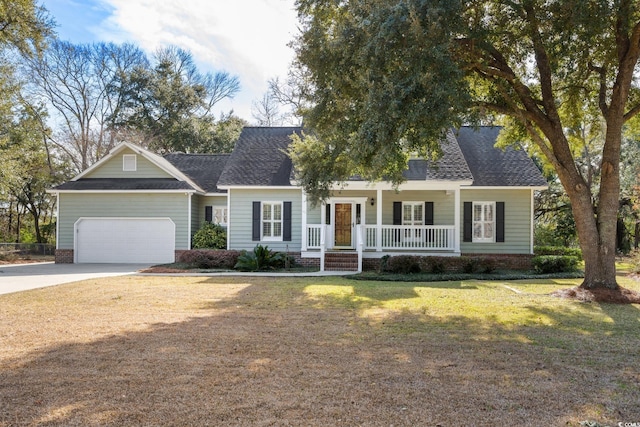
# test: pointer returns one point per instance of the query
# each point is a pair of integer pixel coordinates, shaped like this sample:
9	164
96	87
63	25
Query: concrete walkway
22	277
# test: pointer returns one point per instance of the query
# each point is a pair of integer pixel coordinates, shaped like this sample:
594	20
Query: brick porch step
341	261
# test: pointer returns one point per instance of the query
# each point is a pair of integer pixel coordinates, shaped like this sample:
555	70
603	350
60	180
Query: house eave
259	187
54	191
506	187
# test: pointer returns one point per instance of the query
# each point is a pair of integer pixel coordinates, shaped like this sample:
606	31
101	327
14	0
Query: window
129	162
412	214
272	221
215	215
484	221
220	216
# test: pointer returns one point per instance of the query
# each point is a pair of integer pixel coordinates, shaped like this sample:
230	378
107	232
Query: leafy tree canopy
386	77
23	26
171	102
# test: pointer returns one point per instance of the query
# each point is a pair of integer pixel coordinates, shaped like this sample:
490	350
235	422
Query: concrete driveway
21	277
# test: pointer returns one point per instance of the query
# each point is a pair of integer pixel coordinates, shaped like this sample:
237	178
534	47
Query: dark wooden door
343	224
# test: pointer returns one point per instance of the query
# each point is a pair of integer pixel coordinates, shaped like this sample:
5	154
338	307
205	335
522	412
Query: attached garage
124	240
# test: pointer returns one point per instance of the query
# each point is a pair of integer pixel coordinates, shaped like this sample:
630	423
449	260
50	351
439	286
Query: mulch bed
619	296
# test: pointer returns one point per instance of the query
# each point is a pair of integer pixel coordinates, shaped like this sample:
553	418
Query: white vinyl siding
517	221
240	217
123	205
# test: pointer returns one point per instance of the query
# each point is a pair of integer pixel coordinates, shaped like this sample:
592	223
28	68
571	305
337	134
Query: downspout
57	221
228	219
532	220
456	221
304	221
189	219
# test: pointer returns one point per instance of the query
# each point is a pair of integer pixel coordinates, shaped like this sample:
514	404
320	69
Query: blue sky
247	38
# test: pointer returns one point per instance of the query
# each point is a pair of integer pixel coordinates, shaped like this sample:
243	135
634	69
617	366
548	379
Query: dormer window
129	163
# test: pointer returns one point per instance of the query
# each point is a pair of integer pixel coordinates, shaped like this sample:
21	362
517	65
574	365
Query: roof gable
112	167
148	158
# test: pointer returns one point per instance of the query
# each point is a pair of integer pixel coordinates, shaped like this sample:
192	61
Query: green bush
261	258
210	236
558	250
546	264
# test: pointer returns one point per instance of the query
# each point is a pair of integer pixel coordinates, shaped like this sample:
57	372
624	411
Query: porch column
379	221
304	221
456	220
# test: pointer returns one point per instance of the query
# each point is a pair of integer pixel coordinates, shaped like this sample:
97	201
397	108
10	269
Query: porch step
340	261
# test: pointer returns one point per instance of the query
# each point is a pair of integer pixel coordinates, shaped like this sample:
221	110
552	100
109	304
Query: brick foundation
64	256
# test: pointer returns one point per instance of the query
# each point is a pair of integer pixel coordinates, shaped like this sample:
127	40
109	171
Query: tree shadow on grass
269	356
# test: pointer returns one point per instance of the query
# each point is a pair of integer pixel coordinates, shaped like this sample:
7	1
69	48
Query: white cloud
247	38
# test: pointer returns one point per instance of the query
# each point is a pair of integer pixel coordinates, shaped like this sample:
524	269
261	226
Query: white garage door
125	240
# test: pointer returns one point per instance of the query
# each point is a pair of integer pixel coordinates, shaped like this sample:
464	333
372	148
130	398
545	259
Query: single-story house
134	206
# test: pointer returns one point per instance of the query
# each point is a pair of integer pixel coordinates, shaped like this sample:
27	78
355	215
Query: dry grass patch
321	351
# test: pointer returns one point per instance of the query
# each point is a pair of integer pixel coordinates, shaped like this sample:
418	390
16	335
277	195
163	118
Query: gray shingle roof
494	167
125	184
260	158
203	169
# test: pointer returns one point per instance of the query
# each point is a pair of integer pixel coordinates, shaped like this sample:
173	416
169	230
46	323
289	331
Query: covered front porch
371	223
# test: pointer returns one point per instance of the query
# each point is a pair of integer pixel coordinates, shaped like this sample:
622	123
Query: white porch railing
396	237
314	236
407	237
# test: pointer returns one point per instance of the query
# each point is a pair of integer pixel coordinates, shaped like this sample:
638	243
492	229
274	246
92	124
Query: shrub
403	264
210	236
469	265
261	258
554	263
436	266
210	258
558	250
487	265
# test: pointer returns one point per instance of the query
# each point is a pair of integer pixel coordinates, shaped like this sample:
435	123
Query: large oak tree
387	76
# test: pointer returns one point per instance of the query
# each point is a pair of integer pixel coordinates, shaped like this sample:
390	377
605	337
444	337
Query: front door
343	224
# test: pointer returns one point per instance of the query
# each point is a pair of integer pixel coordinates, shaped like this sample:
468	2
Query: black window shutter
397	213
327	210
499	221
467	221
208	213
286	221
255	229
428	213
